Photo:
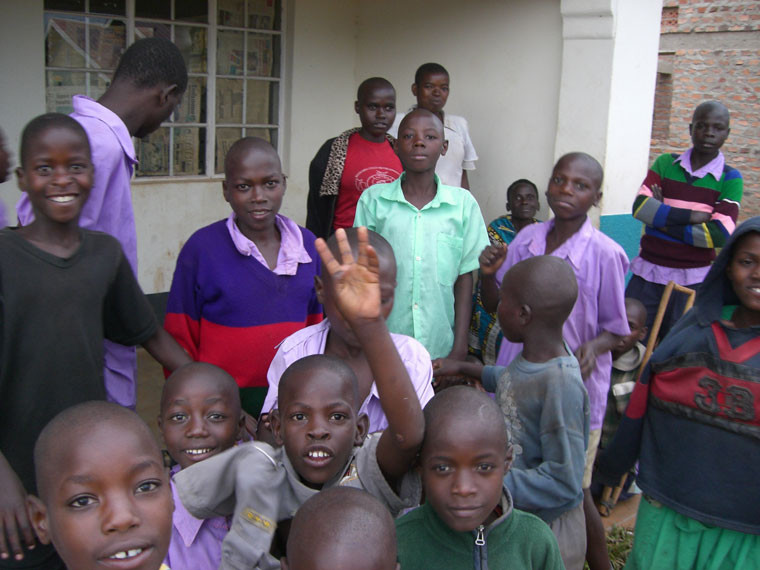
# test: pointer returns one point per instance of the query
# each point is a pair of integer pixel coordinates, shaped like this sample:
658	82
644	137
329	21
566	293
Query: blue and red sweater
227	309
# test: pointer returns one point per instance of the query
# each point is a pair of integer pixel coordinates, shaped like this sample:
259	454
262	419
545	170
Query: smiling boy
356	159
104	497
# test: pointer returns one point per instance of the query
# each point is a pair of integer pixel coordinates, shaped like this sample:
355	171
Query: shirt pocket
449	254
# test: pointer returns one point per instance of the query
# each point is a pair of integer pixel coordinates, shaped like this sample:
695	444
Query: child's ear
414	89
510	457
38	516
525	313
274	420
445	147
167	92
362	428
598	197
21	178
319	289
225	191
356	107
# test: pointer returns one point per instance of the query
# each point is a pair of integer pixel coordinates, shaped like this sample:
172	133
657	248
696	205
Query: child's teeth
318	454
127	553
197	451
62	199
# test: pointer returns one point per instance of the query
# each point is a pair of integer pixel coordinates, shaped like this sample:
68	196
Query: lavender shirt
312	340
681	275
109	210
600	266
196	543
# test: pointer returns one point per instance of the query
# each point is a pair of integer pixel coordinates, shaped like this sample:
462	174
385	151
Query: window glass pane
189	150
117	7
153	151
61	86
266	134
261	55
191	10
152	30
225	137
99	82
193	106
261	14
68	5
153	9
261	102
230	13
65	41
229	100
191	41
108	40
229	53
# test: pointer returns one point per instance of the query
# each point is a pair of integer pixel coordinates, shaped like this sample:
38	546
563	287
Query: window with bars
233	52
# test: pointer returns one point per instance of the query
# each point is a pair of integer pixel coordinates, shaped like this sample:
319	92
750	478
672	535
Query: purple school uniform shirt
109	210
196	543
600	266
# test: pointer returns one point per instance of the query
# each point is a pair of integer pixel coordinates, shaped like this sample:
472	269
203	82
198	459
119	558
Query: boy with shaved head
688	203
341	528
353	161
542	396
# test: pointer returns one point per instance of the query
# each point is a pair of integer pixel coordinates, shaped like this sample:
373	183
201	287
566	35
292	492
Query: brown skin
142	109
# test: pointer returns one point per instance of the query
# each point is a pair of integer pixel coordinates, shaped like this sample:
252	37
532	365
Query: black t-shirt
54	315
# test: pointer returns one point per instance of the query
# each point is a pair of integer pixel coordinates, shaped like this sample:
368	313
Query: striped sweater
228	309
669	239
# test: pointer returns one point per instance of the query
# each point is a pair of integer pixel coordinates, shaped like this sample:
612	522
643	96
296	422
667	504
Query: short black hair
372	83
314	362
42	123
520	182
152	61
428	69
245	145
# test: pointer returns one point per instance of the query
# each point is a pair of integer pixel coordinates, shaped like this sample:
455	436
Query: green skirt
671	541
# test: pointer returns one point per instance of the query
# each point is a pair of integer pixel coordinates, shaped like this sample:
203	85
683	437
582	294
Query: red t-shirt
367	163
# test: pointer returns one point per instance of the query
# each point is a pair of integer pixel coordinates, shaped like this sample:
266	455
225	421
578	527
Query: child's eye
390	107
485	467
217	417
242	187
147	486
76	168
372	107
299	417
272	183
44	169
338	416
82	501
441	468
178	417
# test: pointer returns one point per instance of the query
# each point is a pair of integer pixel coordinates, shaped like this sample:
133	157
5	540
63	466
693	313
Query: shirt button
416	306
418	258
419	215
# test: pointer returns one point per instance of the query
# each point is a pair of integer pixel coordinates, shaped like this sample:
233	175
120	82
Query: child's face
338	325
254	186
573	189
5	159
318	425
198	419
523	202
462	473
709	129
110	504
744	274
420	143
637	320
432	91
57	175
377	110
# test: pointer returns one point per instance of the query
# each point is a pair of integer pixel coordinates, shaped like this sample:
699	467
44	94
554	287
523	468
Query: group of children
338	402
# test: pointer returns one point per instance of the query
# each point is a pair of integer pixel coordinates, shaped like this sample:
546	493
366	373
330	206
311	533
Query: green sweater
516	540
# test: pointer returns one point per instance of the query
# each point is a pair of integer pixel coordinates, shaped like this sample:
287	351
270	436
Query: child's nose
196	428
318	429
120	514
464	484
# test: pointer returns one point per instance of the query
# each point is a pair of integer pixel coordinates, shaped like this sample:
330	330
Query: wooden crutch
610	496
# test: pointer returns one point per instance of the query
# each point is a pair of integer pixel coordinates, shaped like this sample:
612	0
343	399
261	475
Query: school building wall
535	79
711	50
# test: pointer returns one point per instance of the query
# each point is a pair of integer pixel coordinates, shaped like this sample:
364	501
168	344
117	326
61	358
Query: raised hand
491	258
355	283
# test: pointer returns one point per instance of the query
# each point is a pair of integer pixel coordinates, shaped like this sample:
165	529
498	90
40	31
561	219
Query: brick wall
729	75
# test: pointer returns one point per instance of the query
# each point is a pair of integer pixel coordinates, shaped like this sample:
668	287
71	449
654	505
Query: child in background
340	528
200	417
598	319
543	400
62	291
353	161
468	519
147	86
103	492
689	205
485	333
334	337
692	422
436	232
320	429
431	87
244	284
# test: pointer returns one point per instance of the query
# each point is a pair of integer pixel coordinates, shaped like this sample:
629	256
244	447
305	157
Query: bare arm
15	527
462	315
166	351
357	292
491	259
588	351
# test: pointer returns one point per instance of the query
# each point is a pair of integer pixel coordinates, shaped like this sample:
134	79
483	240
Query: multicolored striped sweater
669	239
228	309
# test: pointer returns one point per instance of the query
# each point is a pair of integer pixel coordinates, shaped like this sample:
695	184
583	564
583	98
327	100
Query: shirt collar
443	194
186	524
573	249
714	167
292	251
88	107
